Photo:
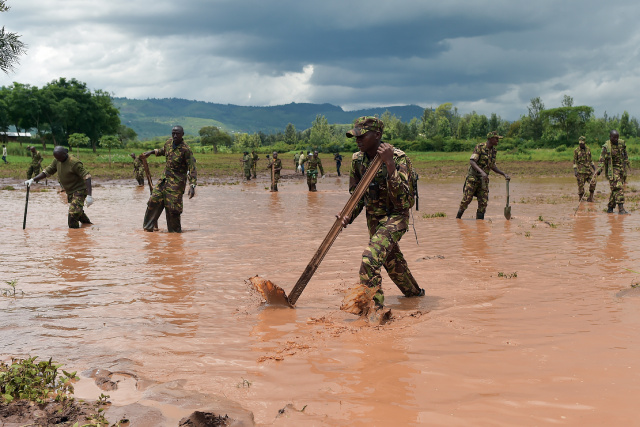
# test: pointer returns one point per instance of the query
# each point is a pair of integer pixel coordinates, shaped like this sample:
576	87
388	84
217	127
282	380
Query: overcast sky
482	55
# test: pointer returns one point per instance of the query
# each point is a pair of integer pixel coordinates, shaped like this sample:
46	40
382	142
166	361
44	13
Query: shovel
331	236
507	209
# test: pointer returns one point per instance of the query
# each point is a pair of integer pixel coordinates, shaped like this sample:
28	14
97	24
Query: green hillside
154	117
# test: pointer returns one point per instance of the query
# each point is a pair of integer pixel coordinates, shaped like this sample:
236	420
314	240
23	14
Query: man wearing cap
615	161
388	202
583	168
275	166
168	191
36	163
313	164
75	180
482	162
138	171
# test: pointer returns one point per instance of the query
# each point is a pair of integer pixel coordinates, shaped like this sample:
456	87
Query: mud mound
272	293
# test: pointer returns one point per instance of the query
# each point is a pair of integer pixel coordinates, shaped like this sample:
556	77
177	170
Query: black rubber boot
621	210
459	214
609	209
85	219
154	210
580	196
479	215
590	198
313	187
173	222
141	181
73	222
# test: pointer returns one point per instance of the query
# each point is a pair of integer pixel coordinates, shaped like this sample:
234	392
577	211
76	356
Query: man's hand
385	152
575	173
89	201
344	221
507	177
192	192
484	177
29	182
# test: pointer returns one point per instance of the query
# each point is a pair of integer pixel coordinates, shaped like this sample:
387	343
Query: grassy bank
538	162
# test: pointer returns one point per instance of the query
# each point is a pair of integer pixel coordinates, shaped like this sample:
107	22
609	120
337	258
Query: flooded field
525	322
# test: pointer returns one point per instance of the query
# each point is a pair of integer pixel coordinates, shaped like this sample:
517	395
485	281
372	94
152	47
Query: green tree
11	47
320	131
533	127
211	135
78	140
126	134
429	124
494	122
478	125
626	129
290	135
109	142
569	122
567	101
444	127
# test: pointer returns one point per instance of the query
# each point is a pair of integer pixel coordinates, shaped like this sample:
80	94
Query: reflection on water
479	349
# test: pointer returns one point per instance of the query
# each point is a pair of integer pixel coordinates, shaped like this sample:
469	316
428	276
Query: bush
561	148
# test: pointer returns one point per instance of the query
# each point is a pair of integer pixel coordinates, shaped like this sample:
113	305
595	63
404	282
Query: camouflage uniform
246	159
615	160
388	204
138	170
277	164
485	158
296	161
35	166
584	168
168	191
313	163
72	176
254	163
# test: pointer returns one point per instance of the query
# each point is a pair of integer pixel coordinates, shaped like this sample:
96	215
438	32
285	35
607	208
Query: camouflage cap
494	134
364	124
582	138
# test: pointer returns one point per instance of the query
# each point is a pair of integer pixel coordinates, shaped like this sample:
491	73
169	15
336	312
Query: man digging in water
388	202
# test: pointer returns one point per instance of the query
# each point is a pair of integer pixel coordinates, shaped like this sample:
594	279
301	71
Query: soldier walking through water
168	191
388	202
615	161
254	163
583	168
482	162
138	171
275	166
313	164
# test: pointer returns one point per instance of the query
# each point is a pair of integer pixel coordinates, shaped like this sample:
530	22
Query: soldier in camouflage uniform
313	164
168	191
138	169
254	162
387	202
615	161
76	182
275	166
296	160
36	163
246	161
583	168
482	162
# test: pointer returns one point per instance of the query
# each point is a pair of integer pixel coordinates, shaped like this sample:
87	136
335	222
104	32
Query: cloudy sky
482	55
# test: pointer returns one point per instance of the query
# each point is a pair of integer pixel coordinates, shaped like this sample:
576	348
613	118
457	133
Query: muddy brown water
556	344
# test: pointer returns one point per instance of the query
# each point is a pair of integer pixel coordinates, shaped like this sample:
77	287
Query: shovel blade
507	212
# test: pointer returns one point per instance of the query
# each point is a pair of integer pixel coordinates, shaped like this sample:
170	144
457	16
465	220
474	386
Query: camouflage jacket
277	166
254	159
246	159
613	157
314	163
386	194
71	174
180	166
36	159
484	157
582	160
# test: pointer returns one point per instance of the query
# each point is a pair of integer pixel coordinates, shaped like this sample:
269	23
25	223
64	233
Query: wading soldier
313	164
388	202
254	162
246	161
338	158
482	162
583	168
75	180
36	163
275	166
138	171
168	191
615	161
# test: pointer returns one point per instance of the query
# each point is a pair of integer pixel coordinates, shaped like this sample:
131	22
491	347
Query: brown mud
530	321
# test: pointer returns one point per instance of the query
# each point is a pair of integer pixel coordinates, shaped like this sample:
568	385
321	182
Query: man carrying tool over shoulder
168	191
481	163
75	180
583	168
388	202
615	161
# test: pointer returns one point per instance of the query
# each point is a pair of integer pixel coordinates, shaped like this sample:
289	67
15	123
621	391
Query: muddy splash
481	348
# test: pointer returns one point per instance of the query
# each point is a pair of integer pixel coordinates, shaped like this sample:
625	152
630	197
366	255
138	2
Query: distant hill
154	117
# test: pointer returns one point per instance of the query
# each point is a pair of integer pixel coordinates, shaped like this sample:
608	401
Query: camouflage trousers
253	169
275	180
474	186
139	176
33	171
584	178
616	184
247	173
168	198
383	251
76	209
312	176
